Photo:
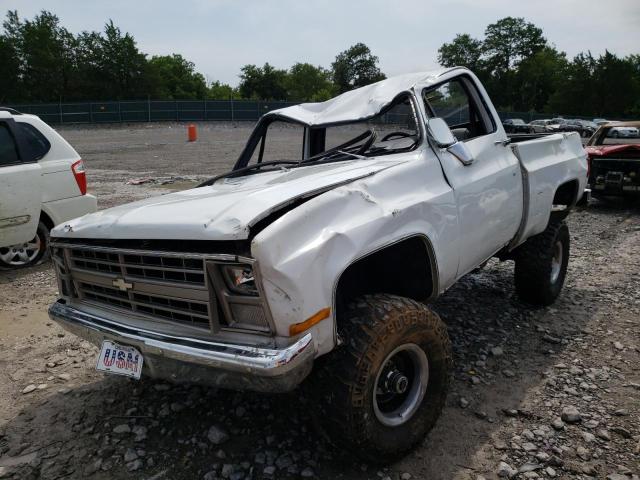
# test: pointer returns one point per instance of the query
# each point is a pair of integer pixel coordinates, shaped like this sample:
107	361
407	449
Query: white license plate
119	360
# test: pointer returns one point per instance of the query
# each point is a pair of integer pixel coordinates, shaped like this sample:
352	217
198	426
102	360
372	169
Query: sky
220	36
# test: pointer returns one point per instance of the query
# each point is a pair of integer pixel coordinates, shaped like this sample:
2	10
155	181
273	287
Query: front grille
153	267
181	311
180	288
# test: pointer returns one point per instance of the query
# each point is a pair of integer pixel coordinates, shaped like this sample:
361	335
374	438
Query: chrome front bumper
181	359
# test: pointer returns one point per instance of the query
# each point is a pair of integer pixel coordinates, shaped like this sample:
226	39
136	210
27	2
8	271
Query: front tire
541	265
26	254
381	392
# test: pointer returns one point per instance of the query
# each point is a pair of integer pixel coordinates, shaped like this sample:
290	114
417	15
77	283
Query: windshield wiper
333	156
238	172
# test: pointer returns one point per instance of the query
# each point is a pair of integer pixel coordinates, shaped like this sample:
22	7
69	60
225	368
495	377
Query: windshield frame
266	120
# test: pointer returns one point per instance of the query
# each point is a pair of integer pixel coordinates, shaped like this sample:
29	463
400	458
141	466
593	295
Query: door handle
504	142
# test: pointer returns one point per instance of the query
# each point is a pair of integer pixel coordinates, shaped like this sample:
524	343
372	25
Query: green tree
306	82
537	78
45	51
263	83
176	78
575	93
464	51
221	91
616	88
507	42
123	66
510	40
89	82
9	79
355	67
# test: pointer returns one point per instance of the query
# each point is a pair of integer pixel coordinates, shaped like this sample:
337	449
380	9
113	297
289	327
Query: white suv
42	184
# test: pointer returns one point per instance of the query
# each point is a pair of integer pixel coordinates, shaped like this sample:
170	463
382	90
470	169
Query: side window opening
8	149
459	104
37	144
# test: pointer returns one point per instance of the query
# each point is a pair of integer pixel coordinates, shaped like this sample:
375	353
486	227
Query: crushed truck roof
359	104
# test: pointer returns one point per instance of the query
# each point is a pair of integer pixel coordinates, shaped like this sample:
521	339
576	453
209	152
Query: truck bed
547	161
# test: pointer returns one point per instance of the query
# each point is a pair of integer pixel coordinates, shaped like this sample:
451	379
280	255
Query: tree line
44	62
522	71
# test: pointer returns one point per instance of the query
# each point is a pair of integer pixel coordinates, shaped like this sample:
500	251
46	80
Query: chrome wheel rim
21	254
401	384
556	262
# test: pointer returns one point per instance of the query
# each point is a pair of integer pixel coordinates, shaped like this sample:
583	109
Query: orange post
192	132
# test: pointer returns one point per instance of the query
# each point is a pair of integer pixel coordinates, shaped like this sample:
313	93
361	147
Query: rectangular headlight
240	279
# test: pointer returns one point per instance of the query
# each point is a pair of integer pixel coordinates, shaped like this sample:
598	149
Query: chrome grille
182	311
179	288
154	267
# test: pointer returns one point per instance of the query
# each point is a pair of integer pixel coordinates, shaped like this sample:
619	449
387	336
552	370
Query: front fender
302	254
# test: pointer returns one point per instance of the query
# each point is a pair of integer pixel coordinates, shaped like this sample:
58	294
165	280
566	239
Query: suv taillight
80	175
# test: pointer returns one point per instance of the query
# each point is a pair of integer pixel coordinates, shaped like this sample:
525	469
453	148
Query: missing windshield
278	142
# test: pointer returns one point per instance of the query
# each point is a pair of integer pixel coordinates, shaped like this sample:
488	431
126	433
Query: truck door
20	188
489	190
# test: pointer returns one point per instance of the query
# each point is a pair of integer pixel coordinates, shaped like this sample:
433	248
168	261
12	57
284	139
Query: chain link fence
181	111
150	111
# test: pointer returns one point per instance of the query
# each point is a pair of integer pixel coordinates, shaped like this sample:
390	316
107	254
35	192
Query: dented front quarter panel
303	253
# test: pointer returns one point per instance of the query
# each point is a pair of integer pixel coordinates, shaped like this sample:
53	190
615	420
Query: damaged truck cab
315	260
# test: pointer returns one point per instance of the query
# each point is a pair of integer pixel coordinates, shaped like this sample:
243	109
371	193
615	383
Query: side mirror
440	133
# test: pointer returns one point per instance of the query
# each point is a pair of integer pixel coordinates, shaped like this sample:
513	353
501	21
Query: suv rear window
38	145
8	150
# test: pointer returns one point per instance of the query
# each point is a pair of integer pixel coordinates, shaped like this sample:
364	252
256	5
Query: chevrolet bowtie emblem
121	284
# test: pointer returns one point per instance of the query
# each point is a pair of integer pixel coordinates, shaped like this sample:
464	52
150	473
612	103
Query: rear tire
541	265
380	393
26	254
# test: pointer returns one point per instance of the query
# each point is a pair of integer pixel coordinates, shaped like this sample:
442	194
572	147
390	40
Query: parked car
556	125
572	126
583	127
588	128
622	130
334	250
515	125
42	183
539	126
600	121
614	167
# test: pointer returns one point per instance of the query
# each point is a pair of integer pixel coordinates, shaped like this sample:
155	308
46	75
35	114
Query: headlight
240	279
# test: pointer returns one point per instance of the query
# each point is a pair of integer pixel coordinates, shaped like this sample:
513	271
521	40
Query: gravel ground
537	393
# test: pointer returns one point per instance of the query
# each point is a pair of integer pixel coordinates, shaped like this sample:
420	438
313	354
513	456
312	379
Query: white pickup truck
316	260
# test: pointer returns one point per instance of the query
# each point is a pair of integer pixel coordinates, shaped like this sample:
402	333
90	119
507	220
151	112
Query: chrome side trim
14	221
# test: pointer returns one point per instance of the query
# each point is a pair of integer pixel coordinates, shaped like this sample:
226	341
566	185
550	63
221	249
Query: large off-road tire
396	360
541	265
26	254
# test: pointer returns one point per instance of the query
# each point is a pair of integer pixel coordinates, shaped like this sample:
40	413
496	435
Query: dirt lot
518	369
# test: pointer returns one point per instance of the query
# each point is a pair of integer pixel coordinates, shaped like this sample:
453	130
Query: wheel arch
566	195
411	260
46	219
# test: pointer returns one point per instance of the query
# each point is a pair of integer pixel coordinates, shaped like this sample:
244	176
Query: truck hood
222	211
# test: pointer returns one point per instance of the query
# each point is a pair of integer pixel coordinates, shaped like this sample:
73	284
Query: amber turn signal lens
297	328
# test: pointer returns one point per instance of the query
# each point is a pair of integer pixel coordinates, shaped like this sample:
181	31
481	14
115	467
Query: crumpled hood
222	211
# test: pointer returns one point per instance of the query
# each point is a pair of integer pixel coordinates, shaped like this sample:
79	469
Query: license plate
119	360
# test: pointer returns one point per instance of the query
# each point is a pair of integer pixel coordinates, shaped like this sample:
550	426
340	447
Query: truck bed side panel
547	163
